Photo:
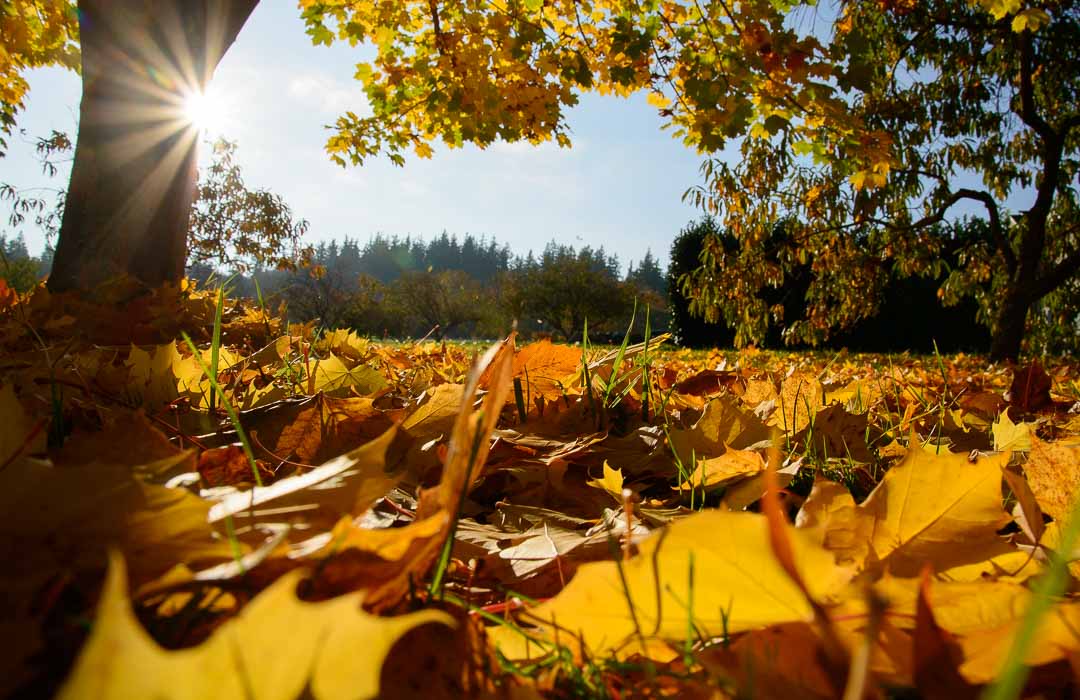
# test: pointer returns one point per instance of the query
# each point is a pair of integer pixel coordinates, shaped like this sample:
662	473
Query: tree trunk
134	176
1009	327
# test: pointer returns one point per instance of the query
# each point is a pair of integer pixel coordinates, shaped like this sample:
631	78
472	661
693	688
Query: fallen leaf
1009	436
332	376
276	647
738	586
1030	389
936	508
612	482
830	516
345	485
801	397
719	471
1053	472
545	370
723	424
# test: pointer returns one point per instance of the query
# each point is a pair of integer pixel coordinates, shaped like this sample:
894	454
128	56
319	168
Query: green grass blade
234	417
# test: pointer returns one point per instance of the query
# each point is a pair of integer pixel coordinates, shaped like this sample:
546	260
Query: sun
205	112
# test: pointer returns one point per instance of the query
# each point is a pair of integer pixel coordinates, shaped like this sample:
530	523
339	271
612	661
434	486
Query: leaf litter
518	522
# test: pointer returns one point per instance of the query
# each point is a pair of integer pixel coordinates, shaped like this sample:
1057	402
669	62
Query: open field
277	510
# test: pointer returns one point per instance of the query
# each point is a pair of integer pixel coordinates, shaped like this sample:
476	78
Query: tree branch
1000	242
1062	272
1028	112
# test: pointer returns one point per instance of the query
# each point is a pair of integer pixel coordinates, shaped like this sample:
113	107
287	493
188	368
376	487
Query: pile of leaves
233	507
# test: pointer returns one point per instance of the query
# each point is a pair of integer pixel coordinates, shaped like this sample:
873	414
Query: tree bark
1009	327
133	180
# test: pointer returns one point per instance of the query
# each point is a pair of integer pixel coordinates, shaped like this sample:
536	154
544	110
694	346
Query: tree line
470	287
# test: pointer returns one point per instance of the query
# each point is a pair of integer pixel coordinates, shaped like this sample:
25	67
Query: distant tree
565	287
18	268
375	310
321	293
444	301
648	274
240	228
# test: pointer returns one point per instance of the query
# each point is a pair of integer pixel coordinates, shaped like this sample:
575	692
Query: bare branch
1000	242
1028	111
1067	268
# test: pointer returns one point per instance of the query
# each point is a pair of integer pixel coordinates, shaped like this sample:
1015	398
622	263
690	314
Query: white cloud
329	95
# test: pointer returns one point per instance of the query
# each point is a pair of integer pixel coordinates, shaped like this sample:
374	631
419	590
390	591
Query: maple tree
232	225
36	33
133	177
863	128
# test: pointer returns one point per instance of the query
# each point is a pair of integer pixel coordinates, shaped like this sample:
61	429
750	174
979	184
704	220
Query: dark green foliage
910	315
692	330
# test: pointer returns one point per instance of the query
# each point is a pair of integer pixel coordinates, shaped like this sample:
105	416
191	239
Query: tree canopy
36	33
863	123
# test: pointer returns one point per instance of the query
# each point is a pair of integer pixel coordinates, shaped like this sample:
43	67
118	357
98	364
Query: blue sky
620	186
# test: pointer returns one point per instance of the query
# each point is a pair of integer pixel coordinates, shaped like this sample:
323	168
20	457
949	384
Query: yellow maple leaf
1011	436
831	517
728	467
612	482
723	424
1031	19
277	646
738	585
942	509
333	376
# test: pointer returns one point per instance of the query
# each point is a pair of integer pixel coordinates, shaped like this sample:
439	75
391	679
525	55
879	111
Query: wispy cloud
327	94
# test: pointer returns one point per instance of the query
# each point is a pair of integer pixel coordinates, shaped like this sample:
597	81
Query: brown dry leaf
1053	472
801	397
18	434
738	586
831	517
277	647
780	662
1030	389
941	509
718	471
708	382
723	424
837	434
130	440
230	466
346	485
545	370
316	429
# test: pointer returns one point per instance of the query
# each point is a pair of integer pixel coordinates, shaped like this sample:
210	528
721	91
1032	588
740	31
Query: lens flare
204	112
